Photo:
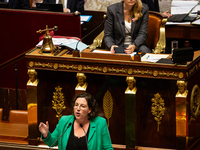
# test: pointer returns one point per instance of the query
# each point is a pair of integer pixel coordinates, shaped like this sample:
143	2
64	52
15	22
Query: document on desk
149	57
68	43
183	11
196	22
57	41
184	7
102	51
109	52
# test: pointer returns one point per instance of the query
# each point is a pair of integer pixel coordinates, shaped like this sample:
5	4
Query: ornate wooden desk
163	112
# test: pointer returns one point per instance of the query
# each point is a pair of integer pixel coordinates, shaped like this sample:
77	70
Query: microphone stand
76	52
59	137
85	135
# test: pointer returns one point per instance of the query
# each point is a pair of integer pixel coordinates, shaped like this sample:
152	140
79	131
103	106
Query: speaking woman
126	26
84	125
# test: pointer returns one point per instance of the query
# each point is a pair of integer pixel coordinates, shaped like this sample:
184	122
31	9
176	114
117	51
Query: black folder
49	7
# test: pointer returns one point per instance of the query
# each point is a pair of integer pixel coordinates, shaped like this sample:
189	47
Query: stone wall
101	5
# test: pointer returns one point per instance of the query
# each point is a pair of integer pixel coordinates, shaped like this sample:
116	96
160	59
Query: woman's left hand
130	49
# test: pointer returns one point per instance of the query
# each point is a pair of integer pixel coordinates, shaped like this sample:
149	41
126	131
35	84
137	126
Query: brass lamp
47	45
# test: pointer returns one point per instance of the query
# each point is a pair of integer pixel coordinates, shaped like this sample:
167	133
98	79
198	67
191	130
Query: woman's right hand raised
44	128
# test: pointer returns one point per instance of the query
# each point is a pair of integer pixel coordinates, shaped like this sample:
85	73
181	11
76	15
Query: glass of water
174	45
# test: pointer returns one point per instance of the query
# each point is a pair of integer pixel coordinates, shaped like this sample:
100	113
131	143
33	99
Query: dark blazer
19	4
153	5
114	27
73	5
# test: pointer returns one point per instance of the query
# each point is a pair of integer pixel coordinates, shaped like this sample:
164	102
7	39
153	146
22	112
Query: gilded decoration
182	89
193	70
33	80
80	67
158	109
82	85
180	75
55	66
31	63
105	69
155	73
108	106
131	82
195	103
58	102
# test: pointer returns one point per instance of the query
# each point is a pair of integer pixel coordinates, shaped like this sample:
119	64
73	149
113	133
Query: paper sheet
183	7
58	41
149	57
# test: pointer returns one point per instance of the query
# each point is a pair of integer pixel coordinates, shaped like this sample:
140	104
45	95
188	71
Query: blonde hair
137	10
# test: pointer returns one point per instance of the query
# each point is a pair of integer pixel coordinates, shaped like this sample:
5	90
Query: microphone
76	49
85	135
59	136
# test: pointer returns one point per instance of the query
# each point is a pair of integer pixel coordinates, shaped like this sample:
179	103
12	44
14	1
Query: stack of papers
149	57
68	43
184	7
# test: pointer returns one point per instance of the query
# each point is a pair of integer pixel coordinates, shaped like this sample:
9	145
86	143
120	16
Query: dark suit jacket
153	6
114	28
19	4
73	5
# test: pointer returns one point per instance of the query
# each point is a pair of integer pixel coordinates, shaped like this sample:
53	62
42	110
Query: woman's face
130	2
81	109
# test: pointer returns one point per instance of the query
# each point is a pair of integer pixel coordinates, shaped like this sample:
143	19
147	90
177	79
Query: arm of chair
97	42
160	42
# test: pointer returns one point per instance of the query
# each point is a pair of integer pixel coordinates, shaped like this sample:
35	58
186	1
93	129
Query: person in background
154	6
126	26
18	4
69	5
84	123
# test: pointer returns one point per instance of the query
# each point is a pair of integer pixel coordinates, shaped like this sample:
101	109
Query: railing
9	62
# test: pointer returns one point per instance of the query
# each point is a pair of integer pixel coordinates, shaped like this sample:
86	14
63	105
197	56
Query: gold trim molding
193	70
195	103
158	109
58	102
105	69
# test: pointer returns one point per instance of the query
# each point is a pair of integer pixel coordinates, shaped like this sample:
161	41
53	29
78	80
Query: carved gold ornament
157	109
33	80
108	105
31	63
58	102
55	66
182	89
195	103
80	67
155	73
131	82
82	85
105	69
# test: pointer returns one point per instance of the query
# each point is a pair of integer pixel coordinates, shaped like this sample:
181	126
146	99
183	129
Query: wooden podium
166	102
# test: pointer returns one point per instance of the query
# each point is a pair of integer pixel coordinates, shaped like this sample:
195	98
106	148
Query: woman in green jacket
83	130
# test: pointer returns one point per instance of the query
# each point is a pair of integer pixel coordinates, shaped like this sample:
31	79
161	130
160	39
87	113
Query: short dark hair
91	104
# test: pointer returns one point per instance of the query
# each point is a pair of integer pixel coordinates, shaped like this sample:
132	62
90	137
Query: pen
147	57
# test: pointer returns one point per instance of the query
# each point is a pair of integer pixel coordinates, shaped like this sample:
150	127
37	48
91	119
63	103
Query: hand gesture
44	128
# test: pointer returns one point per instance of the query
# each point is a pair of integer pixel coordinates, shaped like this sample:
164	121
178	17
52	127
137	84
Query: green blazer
98	139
